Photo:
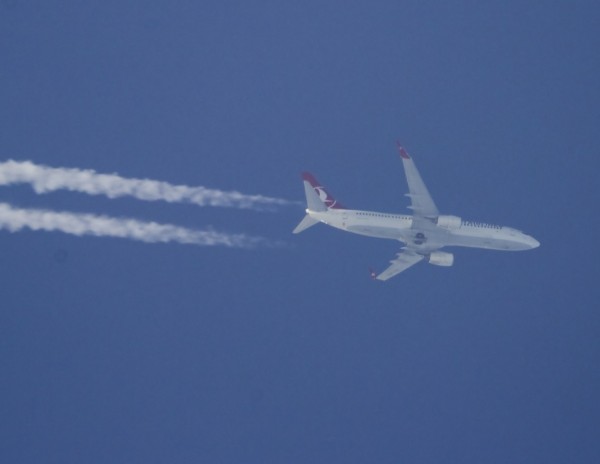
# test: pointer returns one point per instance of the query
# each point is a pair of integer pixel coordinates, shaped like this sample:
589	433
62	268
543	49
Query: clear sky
117	351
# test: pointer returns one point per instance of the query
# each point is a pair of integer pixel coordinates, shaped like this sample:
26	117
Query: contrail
15	219
45	179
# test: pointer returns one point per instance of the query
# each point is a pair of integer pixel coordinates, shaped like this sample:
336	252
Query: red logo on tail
324	195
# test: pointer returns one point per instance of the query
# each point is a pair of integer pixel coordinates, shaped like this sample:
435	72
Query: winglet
402	151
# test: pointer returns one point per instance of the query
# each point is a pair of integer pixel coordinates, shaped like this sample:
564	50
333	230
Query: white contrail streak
45	179
15	219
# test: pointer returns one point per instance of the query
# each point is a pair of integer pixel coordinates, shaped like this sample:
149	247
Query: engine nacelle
449	222
441	258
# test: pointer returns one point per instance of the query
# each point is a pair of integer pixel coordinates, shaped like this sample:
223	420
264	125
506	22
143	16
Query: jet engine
441	258
449	222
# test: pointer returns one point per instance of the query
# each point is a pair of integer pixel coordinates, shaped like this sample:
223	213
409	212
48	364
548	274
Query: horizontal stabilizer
305	224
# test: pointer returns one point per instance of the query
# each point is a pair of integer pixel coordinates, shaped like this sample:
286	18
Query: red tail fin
324	195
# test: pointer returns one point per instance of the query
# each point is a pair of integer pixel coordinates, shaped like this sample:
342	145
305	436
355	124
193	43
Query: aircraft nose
533	243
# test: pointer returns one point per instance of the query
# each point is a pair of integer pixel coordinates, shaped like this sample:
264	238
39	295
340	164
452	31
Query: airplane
423	233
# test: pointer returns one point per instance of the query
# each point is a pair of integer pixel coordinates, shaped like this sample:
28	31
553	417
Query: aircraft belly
486	242
376	231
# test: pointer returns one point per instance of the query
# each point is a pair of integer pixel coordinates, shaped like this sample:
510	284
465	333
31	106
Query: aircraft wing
421	202
403	261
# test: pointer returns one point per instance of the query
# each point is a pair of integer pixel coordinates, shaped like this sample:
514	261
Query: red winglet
402	151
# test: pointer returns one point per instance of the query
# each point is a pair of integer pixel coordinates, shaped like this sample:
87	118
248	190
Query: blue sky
114	350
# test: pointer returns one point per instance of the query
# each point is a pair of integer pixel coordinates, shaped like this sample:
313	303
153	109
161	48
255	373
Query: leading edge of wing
402	262
421	202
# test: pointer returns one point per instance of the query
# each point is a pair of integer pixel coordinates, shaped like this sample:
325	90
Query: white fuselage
399	227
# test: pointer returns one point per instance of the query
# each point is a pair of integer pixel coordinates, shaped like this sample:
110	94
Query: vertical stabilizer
321	192
313	200
318	200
